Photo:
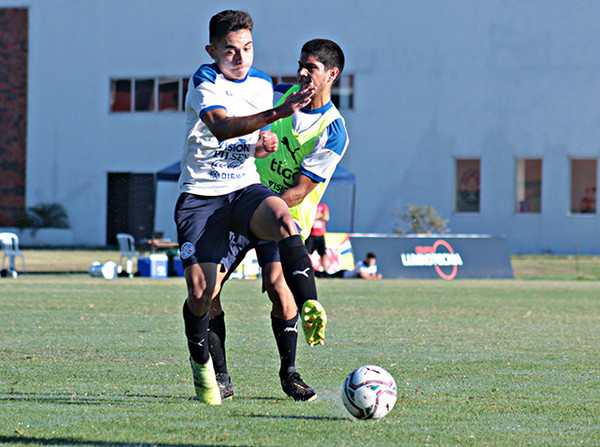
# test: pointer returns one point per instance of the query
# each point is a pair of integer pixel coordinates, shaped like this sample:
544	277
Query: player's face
311	72
233	54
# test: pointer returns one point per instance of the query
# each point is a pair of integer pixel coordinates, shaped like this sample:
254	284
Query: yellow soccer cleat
314	320
205	382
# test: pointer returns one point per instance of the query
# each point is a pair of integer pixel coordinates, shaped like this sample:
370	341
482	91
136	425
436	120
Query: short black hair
327	52
371	255
226	22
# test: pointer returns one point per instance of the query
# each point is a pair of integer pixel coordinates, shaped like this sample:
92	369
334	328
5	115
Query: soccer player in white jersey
312	142
228	112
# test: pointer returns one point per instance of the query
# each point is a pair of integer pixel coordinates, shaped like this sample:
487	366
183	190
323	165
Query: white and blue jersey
210	167
329	146
361	268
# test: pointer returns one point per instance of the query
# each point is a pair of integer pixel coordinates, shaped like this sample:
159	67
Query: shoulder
338	125
206	73
255	73
279	91
283	88
337	136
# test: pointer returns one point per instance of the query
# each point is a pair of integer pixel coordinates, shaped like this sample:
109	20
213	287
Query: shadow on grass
77	442
81	399
296	417
114	399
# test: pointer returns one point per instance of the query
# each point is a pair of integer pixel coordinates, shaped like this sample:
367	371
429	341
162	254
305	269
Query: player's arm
325	214
365	273
302	187
370	275
225	127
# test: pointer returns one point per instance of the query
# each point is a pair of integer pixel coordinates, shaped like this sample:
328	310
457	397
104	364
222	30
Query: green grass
554	267
86	361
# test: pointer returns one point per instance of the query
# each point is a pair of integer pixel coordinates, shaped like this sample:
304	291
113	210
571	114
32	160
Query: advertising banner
339	253
436	256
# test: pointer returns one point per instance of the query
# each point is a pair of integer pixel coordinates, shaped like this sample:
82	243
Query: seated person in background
366	269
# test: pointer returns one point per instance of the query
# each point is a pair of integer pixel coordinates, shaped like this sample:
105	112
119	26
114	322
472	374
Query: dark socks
297	270
216	343
286	337
196	331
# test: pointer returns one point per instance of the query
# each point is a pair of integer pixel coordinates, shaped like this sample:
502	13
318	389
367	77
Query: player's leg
322	251
216	344
284	322
203	238
272	221
260	213
201	280
239	246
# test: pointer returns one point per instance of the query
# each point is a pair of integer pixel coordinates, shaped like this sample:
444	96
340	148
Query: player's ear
210	50
333	74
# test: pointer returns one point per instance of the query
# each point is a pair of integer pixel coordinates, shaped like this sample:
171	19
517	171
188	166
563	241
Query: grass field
87	361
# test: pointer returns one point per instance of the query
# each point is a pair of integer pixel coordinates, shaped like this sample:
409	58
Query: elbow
219	135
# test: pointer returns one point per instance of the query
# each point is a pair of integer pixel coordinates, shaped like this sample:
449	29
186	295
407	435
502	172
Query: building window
583	185
120	95
342	92
468	185
144	95
529	185
168	94
165	94
184	89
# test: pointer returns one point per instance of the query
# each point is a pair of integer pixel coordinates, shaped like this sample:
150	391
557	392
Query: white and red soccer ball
369	392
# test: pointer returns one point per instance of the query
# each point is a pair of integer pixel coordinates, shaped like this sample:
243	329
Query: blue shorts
204	222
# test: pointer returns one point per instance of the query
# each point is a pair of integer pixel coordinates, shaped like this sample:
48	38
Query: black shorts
239	246
204	222
316	243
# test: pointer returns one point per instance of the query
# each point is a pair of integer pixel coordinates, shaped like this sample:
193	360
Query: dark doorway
130	207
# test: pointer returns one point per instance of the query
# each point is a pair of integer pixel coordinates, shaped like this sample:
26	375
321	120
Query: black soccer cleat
225	386
295	387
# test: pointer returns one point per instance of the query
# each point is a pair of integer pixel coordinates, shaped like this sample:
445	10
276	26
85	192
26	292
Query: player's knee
275	288
287	226
200	299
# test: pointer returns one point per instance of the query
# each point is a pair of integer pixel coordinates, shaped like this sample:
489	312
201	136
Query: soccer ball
369	392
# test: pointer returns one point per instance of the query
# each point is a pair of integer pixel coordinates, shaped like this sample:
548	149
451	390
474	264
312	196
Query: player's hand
295	101
267	144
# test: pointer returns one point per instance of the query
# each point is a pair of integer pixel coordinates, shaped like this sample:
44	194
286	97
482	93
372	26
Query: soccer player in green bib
311	143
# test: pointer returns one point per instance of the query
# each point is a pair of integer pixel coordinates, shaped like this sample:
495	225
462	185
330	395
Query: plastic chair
127	248
10	249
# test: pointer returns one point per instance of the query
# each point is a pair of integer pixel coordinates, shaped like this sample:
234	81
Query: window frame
155	94
586	194
525	202
457	175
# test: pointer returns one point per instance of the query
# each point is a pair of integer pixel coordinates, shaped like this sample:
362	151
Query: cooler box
177	266
154	266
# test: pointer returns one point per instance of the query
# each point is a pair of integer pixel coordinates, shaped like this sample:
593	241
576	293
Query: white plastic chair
10	249
127	248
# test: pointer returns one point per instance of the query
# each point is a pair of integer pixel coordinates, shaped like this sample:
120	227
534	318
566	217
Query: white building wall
435	80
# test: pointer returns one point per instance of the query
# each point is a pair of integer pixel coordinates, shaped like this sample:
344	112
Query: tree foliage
420	220
46	215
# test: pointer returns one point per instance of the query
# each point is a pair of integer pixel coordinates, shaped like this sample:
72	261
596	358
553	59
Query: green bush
420	220
46	215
